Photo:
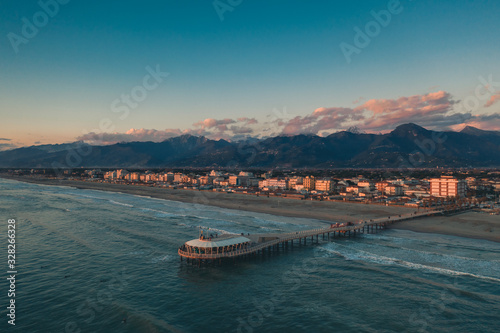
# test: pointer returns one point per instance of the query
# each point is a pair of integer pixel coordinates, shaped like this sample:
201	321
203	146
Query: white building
274	183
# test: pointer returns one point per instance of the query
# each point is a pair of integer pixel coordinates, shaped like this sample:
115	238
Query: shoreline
469	225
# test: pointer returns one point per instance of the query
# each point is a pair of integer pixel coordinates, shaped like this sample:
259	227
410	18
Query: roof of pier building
217	242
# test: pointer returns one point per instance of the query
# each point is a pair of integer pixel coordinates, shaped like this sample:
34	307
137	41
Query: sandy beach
470	224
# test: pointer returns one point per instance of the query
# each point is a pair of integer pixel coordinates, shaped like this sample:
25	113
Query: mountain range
407	146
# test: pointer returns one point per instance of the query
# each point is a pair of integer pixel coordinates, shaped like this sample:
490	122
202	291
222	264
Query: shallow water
87	260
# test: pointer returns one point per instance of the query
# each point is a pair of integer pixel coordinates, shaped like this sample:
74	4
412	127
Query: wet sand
470	224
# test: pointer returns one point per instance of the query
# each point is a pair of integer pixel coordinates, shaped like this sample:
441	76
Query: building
324	185
120	174
245	174
234	181
296	183
367	184
166	177
352	189
394	190
179	177
214	173
447	186
206	180
274	183
310	183
381	186
133	177
213	244
238	180
110	175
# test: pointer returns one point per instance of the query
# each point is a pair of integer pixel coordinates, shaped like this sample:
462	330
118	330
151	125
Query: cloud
211	123
211	128
493	99
379	114
382	114
4	139
490	122
241	130
247	121
7	146
433	110
130	136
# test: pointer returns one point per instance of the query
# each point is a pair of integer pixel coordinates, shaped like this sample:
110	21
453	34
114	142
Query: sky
231	69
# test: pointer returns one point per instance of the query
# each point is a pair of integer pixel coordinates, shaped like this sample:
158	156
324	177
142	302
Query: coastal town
364	186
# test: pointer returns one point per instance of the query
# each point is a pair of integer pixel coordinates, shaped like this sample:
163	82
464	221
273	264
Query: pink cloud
383	113
247	121
211	122
377	114
433	111
493	99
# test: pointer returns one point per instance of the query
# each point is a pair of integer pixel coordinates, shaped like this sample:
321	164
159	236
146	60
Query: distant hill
479	132
407	145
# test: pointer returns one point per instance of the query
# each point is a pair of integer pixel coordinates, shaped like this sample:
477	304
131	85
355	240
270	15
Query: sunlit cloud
214	123
432	110
211	128
493	99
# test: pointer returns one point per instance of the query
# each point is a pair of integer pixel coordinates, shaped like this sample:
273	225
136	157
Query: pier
232	246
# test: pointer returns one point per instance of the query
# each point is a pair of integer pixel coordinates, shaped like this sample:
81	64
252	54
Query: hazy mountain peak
478	132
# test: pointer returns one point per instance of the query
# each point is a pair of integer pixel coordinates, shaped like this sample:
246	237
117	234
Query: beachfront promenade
261	243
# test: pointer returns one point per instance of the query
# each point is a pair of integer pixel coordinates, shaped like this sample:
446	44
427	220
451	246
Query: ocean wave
220	231
120	203
350	253
161	213
262	221
163	258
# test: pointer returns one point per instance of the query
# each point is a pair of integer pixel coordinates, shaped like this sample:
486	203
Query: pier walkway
260	243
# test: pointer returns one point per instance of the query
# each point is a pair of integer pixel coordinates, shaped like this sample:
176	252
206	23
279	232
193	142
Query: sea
95	261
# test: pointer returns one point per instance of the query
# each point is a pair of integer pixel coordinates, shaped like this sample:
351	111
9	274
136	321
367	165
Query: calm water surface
92	261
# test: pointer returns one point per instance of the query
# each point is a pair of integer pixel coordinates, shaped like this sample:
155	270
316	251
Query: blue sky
272	61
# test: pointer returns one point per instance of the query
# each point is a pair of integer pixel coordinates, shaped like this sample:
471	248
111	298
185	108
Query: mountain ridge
408	145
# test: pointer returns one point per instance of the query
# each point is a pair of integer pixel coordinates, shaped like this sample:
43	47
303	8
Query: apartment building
310	183
324	185
447	186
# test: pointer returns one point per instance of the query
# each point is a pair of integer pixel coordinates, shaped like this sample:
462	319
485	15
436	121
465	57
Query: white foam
164	258
356	254
120	203
220	231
